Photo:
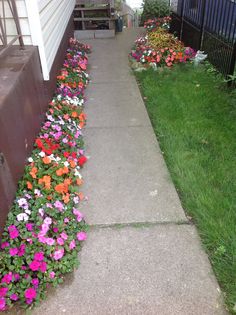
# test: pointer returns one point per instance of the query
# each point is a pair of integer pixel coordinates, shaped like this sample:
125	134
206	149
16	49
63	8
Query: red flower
82	160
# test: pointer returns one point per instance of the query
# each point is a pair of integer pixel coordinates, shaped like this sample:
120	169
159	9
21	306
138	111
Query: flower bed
160	48
44	229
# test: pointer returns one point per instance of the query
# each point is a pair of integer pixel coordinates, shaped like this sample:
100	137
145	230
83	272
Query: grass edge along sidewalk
194	120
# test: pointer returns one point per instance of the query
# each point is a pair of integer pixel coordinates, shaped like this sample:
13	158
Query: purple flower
4	245
21	251
35	282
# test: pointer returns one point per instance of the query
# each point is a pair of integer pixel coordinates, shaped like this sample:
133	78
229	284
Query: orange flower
46	160
72	164
74	114
29	185
79	181
33	172
66	198
81	196
82	116
46	180
81	124
62	171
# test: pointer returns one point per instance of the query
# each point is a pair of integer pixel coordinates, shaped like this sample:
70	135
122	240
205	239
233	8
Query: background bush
154	9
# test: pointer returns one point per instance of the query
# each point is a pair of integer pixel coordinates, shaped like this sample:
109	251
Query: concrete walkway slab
138	271
126	178
115	105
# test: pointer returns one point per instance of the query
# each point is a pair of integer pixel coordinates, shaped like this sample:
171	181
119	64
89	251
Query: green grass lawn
194	119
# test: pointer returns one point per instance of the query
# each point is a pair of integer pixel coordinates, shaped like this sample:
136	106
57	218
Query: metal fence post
182	18
203	14
233	60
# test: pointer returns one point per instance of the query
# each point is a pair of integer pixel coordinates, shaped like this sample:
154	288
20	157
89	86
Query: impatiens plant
160	48
45	228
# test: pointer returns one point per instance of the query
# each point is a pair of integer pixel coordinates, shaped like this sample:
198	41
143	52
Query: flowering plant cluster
160	48
153	24
45	228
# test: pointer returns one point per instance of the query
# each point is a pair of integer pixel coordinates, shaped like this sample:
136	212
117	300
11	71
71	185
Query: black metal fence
208	25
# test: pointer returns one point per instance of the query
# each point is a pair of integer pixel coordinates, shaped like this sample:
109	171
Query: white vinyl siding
48	20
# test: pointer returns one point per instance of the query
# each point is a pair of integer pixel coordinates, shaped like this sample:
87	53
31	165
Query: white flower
22	217
66	164
28	211
41	211
42	154
57	159
30	160
22	202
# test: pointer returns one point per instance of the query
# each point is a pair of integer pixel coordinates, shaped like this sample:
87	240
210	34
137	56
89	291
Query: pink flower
60	241
72	244
2	304
45	228
42	239
81	236
4	245
3	292
66	220
34	265
7	278
30	293
58	254
13	232
64	236
16	276
52	274
43	266
48	221
29	226
39	256
13	251
21	251
50	241
35	282
55	229
14	297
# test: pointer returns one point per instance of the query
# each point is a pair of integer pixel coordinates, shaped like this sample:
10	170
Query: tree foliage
154	9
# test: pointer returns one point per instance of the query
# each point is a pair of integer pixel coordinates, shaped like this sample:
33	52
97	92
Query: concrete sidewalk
142	256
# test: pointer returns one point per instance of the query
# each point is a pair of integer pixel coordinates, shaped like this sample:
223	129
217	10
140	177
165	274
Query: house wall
48	20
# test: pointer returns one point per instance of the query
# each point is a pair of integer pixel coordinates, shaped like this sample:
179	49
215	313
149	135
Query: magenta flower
13	232
58	254
29	226
39	256
35	282
14	297
3	292
81	236
30	293
43	266
16	276
55	229
13	251
2	304
21	251
29	301
7	278
34	265
4	245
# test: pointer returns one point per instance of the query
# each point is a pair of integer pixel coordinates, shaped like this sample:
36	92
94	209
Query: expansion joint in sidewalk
138	224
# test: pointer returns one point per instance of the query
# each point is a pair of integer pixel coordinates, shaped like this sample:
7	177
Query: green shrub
154	9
